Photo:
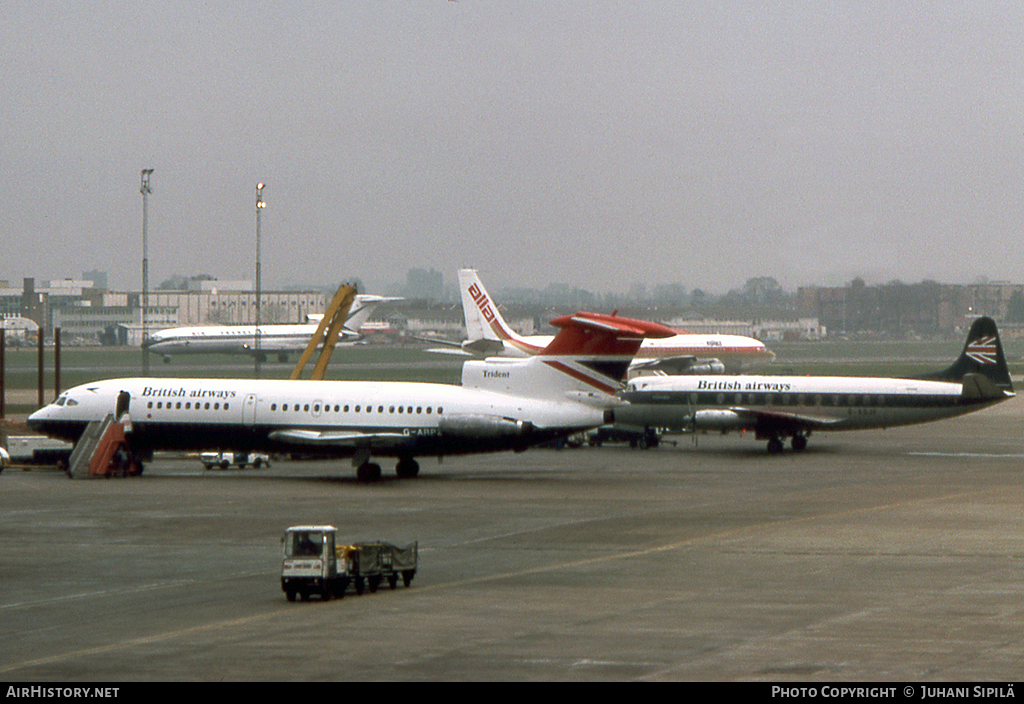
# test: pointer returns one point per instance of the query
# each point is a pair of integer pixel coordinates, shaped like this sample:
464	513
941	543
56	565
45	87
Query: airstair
103	451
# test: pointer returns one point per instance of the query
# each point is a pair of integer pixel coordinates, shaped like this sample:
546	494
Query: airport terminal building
89	314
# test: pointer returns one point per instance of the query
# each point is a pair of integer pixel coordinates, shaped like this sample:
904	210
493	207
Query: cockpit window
59	401
72	402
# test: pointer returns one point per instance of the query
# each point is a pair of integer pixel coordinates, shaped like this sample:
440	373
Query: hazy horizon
594	144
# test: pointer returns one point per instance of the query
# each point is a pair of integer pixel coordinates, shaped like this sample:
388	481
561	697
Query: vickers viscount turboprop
502	404
776	407
682	353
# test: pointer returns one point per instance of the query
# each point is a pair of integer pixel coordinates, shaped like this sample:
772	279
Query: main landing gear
406	468
775	444
368	472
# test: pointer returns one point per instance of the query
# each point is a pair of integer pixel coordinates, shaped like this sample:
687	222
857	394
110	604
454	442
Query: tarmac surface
891	555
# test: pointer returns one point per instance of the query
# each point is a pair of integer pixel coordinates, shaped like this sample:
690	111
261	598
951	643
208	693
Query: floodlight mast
260	205
146	190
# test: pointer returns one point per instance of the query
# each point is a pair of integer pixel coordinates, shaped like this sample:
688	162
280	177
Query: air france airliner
274	339
502	404
776	407
682	353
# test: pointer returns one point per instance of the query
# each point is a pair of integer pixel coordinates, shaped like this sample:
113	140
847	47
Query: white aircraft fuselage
328	417
775	407
232	339
277	339
683	352
833	403
502	404
735	352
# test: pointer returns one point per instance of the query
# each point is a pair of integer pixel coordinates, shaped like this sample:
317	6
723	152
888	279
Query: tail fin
586	360
982	356
363	307
483	321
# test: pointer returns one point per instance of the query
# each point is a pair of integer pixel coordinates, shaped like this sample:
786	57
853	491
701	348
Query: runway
883	555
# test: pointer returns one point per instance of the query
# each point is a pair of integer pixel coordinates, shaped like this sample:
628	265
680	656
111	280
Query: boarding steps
103	450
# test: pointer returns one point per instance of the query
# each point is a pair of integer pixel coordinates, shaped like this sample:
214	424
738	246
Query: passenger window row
809	399
188	406
359	408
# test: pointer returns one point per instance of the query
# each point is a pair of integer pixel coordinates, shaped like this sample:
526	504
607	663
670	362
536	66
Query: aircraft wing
776	420
340	438
449	350
466	348
484	347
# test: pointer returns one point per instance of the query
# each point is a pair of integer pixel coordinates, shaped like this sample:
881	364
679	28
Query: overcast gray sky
590	143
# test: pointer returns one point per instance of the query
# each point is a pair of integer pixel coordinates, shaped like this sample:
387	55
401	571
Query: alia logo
480	298
983	350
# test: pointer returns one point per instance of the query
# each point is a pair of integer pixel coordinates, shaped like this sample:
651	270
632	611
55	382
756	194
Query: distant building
897	309
85	312
98	278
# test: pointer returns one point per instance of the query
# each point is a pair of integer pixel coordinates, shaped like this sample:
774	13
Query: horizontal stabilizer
976	386
600	334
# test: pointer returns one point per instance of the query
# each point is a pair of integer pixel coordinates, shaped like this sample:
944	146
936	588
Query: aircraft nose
35	421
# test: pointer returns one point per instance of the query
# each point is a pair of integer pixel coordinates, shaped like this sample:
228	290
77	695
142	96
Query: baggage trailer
316	563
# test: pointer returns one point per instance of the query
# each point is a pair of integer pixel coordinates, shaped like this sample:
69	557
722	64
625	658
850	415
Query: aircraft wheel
368	472
799	443
774	446
407	468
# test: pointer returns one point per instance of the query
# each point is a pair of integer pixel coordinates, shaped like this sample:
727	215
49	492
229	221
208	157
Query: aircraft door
249	410
124	400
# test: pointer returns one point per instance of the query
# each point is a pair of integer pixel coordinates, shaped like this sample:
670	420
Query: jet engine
722	420
479	425
706	366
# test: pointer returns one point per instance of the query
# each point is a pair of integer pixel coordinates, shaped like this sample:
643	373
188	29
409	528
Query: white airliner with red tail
682	353
776	407
503	404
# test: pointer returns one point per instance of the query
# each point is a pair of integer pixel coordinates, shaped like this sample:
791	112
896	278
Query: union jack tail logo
983	350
